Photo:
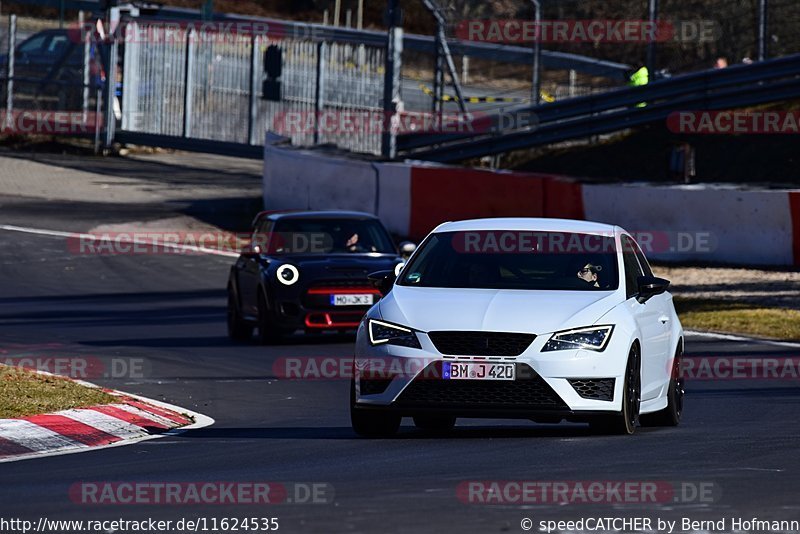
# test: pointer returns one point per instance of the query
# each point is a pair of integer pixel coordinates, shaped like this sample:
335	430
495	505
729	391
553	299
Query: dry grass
24	393
732	317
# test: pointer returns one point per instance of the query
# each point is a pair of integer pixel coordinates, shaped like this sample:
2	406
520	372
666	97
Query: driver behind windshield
589	274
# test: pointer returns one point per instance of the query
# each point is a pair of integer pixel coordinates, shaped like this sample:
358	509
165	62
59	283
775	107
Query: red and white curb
131	420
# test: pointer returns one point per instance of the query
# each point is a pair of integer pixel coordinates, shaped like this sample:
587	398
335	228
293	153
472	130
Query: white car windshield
515	260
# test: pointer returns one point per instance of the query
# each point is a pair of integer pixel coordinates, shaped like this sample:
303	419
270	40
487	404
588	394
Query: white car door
663	304
649	317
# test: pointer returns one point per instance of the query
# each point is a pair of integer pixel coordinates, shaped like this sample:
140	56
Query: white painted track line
57	233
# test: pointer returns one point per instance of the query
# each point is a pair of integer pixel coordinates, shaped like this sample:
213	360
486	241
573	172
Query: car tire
435	423
624	423
371	423
238	328
671	415
267	333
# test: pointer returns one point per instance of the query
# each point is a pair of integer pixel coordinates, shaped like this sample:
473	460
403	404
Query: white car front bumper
406	365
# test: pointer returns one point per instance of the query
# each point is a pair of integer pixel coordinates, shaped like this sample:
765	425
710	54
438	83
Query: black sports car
308	270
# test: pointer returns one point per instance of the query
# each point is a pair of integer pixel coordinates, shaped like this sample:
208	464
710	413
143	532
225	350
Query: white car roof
532	224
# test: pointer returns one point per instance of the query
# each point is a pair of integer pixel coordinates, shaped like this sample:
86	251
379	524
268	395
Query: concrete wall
731	226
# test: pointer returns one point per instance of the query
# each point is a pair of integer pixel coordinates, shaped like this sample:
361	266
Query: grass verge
732	317
24	393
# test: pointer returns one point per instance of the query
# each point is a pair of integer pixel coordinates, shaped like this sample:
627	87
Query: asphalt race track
169	311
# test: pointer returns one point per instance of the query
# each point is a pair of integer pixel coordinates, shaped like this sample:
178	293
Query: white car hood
537	312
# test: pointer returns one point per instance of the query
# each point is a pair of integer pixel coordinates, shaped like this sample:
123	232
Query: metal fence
5	23
50	79
178	84
206	85
201	88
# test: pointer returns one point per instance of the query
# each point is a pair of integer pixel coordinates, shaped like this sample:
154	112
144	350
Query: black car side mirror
383	281
650	286
250	250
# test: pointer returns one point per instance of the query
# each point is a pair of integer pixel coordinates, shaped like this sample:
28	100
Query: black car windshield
515	260
329	236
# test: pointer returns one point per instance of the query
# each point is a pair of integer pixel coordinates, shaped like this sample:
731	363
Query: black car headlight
589	338
383	333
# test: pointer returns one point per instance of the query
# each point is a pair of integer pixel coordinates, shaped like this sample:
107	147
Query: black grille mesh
481	343
594	388
528	391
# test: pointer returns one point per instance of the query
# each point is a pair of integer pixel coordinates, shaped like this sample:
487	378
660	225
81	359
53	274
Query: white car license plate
352	300
478	371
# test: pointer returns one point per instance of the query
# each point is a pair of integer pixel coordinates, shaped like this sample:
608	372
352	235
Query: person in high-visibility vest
639	78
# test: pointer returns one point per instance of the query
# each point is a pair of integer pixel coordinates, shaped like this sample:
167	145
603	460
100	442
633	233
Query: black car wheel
371	423
624	423
671	415
238	328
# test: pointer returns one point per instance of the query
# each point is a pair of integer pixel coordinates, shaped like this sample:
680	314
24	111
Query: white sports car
541	319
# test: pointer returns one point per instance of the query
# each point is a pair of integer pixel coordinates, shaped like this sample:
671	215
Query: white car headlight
382	333
589	338
287	274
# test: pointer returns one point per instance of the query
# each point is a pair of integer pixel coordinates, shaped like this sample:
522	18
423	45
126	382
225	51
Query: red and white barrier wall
737	226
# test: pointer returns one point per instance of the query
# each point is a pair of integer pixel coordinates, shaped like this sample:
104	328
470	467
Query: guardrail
737	86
